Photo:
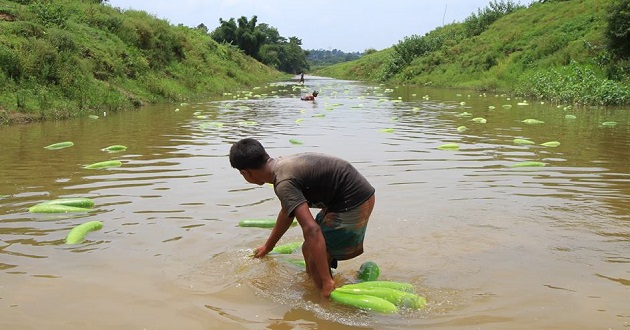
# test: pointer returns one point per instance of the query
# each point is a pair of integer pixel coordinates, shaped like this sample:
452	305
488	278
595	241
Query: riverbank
68	59
558	51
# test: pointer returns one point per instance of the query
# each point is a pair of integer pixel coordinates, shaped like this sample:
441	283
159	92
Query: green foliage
262	42
322	57
66	58
410	48
575	84
526	50
477	23
50	13
618	28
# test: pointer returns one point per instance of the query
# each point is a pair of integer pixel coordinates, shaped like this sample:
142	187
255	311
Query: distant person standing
302	78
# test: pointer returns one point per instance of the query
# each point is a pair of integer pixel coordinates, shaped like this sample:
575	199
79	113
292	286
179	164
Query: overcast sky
347	25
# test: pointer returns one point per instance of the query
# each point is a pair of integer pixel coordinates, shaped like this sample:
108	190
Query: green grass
542	51
69	58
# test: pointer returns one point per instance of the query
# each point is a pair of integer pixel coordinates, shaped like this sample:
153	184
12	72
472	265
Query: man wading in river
301	181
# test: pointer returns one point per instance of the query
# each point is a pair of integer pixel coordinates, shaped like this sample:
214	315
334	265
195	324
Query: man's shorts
344	231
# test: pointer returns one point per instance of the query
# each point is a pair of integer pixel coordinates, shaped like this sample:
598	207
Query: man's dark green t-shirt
323	181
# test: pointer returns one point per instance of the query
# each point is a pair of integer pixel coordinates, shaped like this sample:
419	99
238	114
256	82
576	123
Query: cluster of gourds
368	294
78	204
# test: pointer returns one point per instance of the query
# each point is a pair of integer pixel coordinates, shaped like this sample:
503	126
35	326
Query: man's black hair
248	153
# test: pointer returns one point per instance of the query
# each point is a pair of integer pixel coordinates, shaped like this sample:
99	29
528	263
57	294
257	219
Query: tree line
262	42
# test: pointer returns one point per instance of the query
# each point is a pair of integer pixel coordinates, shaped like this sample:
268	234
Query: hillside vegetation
564	51
69	58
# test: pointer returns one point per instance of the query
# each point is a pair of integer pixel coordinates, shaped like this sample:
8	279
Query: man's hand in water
328	286
261	251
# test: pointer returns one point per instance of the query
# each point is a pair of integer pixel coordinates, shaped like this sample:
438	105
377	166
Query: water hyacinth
480	120
462	129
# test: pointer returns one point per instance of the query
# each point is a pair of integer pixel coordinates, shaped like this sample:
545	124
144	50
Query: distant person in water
310	97
302	78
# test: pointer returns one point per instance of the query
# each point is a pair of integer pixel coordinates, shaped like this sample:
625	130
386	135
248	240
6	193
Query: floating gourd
365	302
369	271
533	121
318	115
609	123
215	124
261	223
449	146
77	234
402	286
287	248
295	141
56	208
299	120
73	201
387	130
551	144
297	262
462	129
570	117
93	116
464	114
480	120
396	297
528	164
59	145
115	148
523	141
105	164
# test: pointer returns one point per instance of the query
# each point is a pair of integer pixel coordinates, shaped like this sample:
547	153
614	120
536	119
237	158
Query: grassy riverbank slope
69	58
555	50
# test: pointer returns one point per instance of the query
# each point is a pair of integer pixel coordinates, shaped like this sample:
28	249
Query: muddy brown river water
489	245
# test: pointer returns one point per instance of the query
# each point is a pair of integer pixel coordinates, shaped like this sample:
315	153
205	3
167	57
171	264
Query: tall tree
263	42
